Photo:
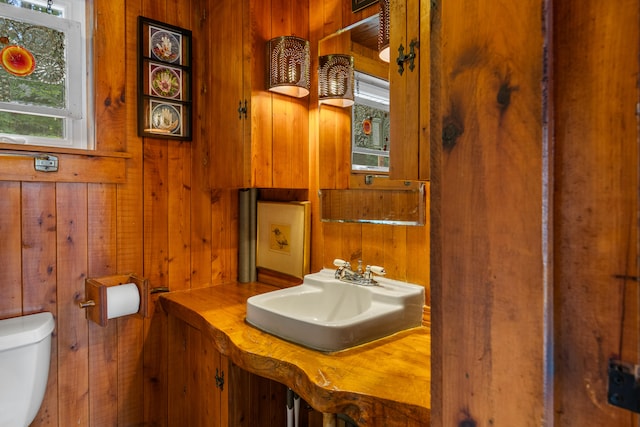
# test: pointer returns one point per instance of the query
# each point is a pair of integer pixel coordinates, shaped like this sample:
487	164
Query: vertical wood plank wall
596	71
488	283
167	223
164	223
535	232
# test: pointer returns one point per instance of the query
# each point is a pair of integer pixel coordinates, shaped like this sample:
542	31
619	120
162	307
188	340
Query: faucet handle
340	262
376	269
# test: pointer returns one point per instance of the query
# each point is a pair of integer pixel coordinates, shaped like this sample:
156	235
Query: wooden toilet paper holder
95	292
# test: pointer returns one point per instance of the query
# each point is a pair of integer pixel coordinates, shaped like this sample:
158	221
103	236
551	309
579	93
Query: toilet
25	352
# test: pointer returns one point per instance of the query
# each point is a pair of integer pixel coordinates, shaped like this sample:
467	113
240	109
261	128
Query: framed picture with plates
164	80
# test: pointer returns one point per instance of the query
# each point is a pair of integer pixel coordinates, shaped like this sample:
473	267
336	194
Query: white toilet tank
25	352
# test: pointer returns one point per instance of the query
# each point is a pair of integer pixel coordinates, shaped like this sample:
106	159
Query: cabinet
257	138
197	380
410	97
206	389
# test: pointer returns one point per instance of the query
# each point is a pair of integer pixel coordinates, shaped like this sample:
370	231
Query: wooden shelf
74	165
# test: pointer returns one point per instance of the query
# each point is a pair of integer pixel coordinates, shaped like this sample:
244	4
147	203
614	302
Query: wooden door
225	93
198	378
410	89
259	139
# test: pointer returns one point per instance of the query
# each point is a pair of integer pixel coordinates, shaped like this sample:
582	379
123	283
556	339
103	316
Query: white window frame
78	113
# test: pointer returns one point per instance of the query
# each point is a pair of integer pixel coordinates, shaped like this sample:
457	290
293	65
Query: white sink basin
326	314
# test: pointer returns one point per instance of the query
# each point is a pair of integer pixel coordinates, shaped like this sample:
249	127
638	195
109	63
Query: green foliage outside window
45	87
26	124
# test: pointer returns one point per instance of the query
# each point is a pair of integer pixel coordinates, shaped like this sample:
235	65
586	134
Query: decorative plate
165	46
165	118
165	82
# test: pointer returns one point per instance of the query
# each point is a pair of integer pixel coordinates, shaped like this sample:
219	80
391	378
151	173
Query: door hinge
242	110
402	58
220	380
624	388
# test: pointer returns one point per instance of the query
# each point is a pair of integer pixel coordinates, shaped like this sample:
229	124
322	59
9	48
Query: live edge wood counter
382	383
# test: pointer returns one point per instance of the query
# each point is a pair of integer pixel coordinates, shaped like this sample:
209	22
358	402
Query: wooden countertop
382	383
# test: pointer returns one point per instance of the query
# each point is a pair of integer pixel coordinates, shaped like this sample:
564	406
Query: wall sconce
288	58
335	80
383	31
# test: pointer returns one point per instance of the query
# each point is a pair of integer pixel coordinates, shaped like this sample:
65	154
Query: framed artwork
164	80
283	237
357	5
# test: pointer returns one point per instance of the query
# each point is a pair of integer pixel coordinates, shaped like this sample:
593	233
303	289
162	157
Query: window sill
74	165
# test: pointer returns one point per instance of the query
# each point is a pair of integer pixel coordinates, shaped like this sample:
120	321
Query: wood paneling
129	256
489	279
10	250
163	221
16	165
159	221
596	205
535	197
72	259
37	266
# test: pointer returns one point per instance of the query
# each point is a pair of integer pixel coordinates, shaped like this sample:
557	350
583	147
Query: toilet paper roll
122	300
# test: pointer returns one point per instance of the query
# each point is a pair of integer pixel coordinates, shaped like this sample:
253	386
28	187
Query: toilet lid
25	330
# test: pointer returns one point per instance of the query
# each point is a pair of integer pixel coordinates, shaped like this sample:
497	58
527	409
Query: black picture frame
164	80
357	5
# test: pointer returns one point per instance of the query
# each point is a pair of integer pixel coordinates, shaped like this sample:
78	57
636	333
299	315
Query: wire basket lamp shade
383	31
335	80
288	58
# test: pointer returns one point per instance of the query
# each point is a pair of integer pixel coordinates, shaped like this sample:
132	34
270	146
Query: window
43	74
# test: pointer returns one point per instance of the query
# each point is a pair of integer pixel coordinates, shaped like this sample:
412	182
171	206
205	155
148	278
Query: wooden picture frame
164	80
283	237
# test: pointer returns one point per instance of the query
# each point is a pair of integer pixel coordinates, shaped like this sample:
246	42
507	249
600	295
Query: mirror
355	144
370	119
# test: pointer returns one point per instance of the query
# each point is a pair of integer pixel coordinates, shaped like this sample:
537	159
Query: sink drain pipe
293	408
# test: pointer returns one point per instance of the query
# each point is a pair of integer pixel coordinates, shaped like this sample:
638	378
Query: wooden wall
526	271
490	241
164	222
596	174
534	219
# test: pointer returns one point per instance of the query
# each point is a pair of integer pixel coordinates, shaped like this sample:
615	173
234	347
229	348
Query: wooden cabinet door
410	90
198	385
206	390
258	139
226	117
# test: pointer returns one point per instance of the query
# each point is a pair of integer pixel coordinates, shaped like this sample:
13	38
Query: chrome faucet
364	277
